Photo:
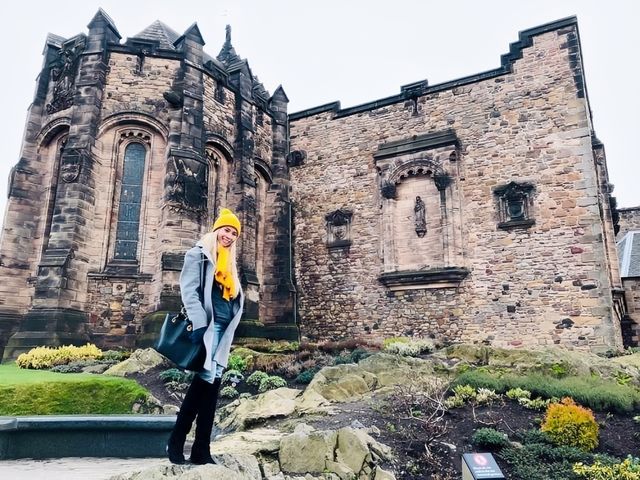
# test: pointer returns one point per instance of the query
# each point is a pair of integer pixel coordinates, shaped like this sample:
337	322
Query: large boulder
348	452
140	361
246	412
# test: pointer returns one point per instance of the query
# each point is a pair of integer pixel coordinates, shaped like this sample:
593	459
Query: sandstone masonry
474	210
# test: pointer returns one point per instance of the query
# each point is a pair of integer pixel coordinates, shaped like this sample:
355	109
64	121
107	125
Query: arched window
130	202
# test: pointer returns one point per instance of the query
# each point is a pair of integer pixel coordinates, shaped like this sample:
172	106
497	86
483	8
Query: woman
215	314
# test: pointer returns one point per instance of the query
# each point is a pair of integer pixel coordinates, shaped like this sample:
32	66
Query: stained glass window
130	203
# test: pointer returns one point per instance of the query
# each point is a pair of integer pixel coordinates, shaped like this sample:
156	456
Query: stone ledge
447	277
55	436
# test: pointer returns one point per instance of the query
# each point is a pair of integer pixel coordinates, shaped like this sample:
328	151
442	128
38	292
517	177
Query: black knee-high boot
200	451
184	419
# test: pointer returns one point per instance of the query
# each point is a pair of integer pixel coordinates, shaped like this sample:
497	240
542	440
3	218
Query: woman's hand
197	335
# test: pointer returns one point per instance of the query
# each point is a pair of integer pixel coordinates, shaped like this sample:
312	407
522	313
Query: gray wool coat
201	314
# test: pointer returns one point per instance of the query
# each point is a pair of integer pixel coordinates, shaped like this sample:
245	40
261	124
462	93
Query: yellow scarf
223	274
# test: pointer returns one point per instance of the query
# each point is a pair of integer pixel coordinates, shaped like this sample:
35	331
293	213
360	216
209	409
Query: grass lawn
41	392
11	374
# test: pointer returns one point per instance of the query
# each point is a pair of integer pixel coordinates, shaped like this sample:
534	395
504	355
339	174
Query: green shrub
542	461
229	392
176	375
342	359
489	438
518	393
271	382
629	469
116	355
594	392
69	368
359	354
569	424
465	392
47	357
236	362
531	436
536	403
256	377
306	376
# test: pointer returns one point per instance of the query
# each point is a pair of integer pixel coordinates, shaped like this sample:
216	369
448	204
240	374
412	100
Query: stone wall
537	279
629	220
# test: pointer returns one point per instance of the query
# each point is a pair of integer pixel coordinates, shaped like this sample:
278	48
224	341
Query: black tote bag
175	342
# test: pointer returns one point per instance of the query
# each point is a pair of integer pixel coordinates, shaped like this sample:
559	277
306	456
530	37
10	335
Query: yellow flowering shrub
627	470
46	357
572	425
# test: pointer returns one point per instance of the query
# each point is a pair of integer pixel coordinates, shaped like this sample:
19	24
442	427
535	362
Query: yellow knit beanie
226	219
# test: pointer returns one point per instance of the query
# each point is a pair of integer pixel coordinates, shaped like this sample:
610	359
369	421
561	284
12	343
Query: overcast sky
354	51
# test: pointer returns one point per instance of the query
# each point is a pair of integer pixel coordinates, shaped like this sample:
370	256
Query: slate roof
629	254
158	31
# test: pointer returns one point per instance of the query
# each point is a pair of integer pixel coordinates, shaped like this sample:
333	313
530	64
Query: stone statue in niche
420	217
63	73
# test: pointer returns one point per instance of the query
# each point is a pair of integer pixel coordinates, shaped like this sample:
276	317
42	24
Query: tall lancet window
130	202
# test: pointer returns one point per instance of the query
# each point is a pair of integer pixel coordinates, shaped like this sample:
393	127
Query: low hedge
594	392
107	395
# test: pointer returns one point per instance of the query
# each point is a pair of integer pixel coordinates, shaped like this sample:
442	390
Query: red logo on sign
480	459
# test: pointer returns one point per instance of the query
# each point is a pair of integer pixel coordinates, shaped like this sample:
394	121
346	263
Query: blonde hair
210	243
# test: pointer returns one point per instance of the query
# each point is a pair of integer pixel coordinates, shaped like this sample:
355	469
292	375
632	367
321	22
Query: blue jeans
222	313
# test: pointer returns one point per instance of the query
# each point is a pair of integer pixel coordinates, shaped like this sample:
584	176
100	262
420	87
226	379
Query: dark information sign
480	466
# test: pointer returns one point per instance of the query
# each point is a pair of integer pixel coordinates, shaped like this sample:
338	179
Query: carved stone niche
339	228
515	202
296	158
421	226
63	73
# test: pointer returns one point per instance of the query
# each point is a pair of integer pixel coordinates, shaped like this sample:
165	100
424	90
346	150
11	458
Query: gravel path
73	468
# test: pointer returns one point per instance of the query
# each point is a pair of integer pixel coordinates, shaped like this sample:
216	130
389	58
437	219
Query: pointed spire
102	18
193	32
228	54
280	95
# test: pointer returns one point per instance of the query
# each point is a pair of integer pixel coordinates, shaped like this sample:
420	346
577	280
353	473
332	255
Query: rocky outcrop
140	361
344	454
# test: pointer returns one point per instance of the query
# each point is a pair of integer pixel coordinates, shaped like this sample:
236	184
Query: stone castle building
474	210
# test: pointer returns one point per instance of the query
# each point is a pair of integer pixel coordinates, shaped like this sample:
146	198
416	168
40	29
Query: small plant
465	392
256	377
229	392
569	424
453	401
306	376
486	396
116	355
623	378
489	438
271	382
66	369
629	469
176	375
518	393
236	362
559	370
536	403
